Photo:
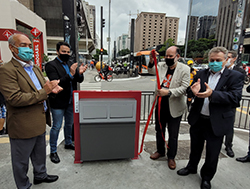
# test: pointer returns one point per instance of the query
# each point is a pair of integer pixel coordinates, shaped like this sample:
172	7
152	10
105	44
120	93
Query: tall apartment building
192	35
226	23
92	20
204	26
152	29
171	28
122	42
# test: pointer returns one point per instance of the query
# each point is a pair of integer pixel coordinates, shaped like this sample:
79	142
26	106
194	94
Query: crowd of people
213	95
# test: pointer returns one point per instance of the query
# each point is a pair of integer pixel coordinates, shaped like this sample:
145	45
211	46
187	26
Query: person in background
68	74
2	111
232	56
216	92
247	157
26	91
106	70
245	67
174	78
193	72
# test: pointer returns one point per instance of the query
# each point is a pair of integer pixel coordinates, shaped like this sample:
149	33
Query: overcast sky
205	7
120	10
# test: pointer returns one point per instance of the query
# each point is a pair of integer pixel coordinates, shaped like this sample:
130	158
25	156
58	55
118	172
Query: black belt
204	116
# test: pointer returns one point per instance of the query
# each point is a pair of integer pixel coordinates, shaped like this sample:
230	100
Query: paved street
142	173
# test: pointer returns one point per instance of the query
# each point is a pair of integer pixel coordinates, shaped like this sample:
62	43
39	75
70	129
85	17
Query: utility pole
109	40
70	27
102	26
188	27
114	50
132	45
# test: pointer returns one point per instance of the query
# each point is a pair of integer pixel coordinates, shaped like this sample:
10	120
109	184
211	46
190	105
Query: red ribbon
153	53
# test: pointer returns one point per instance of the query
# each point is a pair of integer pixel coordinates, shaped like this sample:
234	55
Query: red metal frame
106	94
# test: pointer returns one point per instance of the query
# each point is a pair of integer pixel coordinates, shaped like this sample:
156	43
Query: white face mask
228	62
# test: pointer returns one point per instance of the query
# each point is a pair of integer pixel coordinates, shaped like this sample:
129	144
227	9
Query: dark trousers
23	149
173	130
229	139
199	133
248	153
229	136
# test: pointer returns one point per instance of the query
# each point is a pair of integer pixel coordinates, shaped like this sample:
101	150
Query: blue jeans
57	117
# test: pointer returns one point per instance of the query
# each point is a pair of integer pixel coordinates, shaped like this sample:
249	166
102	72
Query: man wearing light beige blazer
174	79
26	91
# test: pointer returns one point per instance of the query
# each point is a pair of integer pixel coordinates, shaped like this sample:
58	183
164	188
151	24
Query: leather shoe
186	171
205	184
48	179
156	155
54	157
243	159
70	146
171	164
230	152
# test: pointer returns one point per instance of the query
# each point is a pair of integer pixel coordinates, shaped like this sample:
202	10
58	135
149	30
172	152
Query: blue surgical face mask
215	66
25	53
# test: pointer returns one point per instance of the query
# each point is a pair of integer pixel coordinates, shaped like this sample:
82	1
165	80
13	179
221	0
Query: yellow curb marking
6	139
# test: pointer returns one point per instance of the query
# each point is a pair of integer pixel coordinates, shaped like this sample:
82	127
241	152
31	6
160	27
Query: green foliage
96	57
168	43
98	52
205	56
199	48
124	52
45	58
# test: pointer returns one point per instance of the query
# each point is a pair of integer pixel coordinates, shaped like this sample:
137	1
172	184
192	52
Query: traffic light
103	23
101	50
243	32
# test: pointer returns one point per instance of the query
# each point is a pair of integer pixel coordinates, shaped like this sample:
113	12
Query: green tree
205	56
168	43
98	52
199	47
124	52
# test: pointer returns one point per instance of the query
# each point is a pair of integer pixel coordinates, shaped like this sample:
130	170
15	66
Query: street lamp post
188	26
109	40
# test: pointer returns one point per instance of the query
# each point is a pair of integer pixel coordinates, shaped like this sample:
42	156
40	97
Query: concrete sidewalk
142	173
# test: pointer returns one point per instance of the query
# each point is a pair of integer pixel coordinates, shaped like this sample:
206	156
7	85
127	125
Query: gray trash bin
107	128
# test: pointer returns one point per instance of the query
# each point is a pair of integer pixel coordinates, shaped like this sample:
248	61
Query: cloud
121	8
204	7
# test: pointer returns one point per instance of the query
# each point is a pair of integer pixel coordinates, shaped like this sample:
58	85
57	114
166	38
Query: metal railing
241	117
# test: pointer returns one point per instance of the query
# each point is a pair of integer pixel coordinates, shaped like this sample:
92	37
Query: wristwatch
169	93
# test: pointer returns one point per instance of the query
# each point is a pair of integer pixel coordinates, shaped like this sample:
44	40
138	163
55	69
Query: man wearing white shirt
216	91
232	56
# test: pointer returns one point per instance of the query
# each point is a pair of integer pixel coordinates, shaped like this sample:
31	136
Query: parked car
182	60
200	66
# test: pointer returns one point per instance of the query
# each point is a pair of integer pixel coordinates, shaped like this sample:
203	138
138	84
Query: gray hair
218	50
234	54
11	39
